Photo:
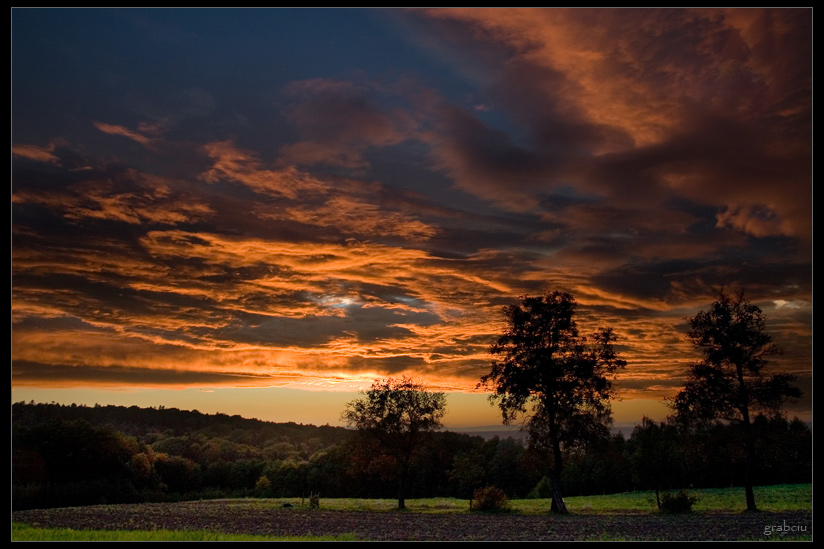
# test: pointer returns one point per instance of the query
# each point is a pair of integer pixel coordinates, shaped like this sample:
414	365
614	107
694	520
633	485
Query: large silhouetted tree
730	383
395	414
556	380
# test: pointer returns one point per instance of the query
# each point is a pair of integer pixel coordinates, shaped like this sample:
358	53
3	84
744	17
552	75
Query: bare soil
231	517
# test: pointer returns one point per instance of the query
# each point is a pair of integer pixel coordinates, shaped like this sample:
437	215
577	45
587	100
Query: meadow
785	513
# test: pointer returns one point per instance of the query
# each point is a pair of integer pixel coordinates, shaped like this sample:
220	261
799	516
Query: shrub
490	499
263	486
680	502
542	490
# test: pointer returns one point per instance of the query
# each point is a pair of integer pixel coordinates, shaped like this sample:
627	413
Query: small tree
655	454
396	414
554	378
467	472
263	486
730	383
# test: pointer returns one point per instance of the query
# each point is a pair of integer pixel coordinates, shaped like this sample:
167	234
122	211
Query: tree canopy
731	382
557	380
165	454
395	414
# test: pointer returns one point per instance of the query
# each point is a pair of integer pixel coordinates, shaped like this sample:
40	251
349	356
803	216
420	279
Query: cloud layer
258	222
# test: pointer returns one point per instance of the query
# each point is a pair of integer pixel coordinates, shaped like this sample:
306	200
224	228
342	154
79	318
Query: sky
261	211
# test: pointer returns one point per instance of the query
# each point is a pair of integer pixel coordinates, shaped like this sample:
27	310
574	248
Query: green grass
423	505
610	537
22	532
785	497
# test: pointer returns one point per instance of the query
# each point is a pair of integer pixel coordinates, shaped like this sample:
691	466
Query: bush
263	486
681	502
542	490
489	499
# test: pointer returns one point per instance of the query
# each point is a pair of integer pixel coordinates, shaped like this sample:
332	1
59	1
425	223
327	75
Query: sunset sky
259	211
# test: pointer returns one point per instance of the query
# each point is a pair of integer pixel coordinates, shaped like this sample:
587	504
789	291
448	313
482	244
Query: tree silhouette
655	454
396	414
730	383
556	380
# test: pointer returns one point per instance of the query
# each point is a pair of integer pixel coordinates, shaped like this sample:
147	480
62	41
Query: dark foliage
394	418
731	382
69	462
553	377
680	502
655	459
72	462
490	500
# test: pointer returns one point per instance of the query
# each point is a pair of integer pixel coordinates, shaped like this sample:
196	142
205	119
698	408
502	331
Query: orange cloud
113	129
130	197
620	69
757	221
632	104
235	164
34	152
343	205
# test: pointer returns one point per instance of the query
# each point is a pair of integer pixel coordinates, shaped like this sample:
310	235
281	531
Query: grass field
784	497
618	517
22	532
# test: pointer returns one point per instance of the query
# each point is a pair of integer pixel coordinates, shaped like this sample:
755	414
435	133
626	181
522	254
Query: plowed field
234	517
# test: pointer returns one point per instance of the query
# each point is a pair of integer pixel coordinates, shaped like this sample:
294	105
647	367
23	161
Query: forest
70	455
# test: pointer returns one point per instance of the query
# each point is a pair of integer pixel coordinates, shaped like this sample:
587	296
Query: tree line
64	459
726	430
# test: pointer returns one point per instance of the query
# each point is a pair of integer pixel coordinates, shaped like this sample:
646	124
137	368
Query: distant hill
136	421
489	432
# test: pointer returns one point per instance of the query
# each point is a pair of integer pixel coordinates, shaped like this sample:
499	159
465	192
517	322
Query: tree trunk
749	461
558	506
402	491
749	441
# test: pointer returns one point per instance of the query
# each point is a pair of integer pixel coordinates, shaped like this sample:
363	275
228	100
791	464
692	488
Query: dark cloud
486	162
338	122
25	372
